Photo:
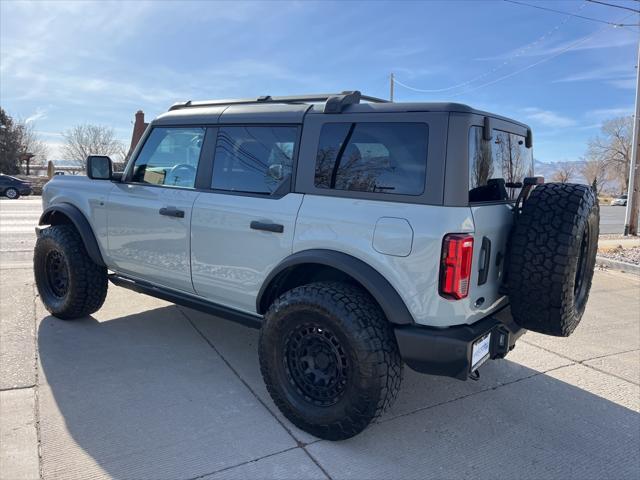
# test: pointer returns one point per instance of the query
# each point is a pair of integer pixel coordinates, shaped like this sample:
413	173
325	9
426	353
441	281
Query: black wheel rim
579	283
57	273
316	364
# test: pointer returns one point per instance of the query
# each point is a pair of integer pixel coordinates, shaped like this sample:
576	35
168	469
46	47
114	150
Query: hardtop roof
293	109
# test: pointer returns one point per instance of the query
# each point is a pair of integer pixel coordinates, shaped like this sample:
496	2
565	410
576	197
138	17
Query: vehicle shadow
144	396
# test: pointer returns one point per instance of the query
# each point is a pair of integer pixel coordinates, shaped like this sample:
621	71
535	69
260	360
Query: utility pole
633	202
391	82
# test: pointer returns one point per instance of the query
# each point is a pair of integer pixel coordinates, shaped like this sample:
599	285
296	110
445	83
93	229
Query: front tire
329	359
70	284
12	193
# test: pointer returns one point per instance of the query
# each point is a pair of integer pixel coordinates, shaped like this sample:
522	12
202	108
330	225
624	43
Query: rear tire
552	258
70	284
329	359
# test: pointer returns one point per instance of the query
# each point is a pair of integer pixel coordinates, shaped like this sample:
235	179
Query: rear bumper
447	351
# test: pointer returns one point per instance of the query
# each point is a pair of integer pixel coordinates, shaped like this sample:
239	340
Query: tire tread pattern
88	281
359	313
543	257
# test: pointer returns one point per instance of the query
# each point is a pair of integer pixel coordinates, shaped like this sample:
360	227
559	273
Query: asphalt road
148	390
611	219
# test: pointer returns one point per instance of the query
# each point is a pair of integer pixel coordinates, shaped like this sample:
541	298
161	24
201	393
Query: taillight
455	267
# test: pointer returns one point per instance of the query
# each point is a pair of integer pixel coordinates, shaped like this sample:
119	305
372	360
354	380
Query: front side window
254	159
169	157
373	157
497	166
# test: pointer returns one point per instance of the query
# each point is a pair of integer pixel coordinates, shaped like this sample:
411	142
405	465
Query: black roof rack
334	102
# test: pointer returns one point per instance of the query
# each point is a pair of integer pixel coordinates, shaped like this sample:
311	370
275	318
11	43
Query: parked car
12	187
359	235
620	200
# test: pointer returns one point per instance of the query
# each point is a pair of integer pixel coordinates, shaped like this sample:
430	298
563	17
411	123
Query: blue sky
69	63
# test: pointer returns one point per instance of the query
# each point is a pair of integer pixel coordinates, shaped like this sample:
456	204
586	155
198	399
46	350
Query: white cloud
405	73
39	113
606	113
548	118
607	73
620	76
625	83
614	39
403	51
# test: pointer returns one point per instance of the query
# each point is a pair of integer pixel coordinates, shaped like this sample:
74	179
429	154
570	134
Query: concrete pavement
148	390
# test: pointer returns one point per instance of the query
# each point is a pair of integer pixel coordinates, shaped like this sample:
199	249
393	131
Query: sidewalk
611	243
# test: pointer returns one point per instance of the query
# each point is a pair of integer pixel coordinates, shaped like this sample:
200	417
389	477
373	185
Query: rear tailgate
492	228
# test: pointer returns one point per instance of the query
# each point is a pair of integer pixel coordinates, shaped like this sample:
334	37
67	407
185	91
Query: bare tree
32	143
120	155
120	158
564	173
87	139
21	145
596	171
482	168
613	148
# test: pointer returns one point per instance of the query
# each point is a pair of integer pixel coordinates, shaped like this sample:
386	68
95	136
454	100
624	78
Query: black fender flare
82	225
378	287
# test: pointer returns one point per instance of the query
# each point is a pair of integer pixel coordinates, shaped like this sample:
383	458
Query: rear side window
496	165
373	157
254	159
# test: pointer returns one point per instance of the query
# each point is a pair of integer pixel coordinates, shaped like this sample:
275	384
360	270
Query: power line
546	59
534	64
506	62
615	6
572	14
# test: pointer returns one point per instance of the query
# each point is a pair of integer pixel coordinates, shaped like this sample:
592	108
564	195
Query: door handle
171	212
483	273
268	227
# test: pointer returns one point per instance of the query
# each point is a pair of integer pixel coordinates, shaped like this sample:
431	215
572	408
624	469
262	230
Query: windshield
497	166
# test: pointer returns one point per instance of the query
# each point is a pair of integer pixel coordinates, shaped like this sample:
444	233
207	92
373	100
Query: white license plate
480	351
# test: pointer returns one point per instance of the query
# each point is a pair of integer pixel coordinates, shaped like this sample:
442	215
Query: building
139	126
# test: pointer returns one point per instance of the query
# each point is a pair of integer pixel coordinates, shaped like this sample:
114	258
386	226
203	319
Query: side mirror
276	171
99	167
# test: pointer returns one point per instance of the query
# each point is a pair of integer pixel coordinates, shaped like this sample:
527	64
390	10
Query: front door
149	213
244	226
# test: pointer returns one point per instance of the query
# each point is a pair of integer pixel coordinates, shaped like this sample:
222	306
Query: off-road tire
12	193
373	363
552	258
86	287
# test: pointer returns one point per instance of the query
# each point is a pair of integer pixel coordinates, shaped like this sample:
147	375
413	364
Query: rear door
149	213
244	226
495	165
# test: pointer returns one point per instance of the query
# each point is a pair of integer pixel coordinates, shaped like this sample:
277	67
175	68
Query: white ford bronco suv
357	234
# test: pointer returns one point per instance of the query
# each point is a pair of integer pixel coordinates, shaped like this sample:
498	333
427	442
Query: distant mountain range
547	169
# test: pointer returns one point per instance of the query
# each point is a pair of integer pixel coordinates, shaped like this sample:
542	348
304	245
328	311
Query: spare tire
552	257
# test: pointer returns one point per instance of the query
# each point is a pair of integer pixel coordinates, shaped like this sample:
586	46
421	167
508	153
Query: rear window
373	157
496	165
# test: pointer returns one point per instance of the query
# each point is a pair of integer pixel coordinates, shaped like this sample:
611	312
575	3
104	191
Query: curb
618	265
